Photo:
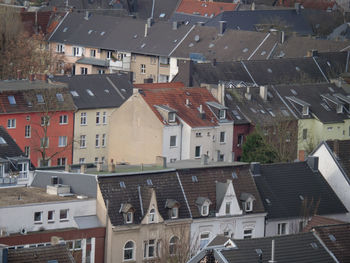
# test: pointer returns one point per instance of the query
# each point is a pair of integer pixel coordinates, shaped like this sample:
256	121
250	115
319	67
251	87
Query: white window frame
63	119
11	123
174	144
101	71
83	118
27	131
62	141
83	71
173	245
205	209
152	216
222	114
130	219
27	151
224	139
109	54
228	208
249	234
143	68
81	160
93	53
203	241
41	217
77	51
104	118
148	247
82	141
42	142
61	161
174	212
23	172
282	228
45	120
104	140
60	48
248	206
195	151
53	216
67	214
128	249
97	141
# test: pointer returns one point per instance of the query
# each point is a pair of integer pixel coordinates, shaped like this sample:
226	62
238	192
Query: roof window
2	140
331	89
234	175
90	31
65	29
194	179
102	33
59	97
297	68
40	98
122	184
314	245
293	91
90	92
269	70
245	50
149	182
332	238
12	100
74	93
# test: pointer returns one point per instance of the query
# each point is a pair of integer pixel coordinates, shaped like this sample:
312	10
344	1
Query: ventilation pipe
222	27
272	252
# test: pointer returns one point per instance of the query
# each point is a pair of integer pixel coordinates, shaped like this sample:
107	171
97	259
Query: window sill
63	123
11	127
172	147
83	124
83	147
50	222
38	223
222	142
64	220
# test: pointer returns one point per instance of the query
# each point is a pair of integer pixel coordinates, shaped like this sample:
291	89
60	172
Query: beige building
146	220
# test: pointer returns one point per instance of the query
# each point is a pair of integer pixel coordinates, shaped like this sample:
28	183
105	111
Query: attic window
314	245
269	70
190	45
194	179
248	206
234	175
151	217
211	45
245	50
90	92
171	117
162	15
2	140
149	182
122	184
102	33
40	98
59	97
65	29
74	93
332	238
205	209
129	217
222	114
293	91
271	113
12	100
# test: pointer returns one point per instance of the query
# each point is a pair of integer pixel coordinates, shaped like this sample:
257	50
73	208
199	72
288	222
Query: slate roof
161	38
341	150
25	94
247	20
43	19
206	186
106	95
174	95
311	94
312	4
286	185
10	149
165	184
317	221
162	9
60	253
208	9
188	18
288	248
337	240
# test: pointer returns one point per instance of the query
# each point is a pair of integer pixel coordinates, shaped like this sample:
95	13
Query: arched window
129	251
173	245
152	215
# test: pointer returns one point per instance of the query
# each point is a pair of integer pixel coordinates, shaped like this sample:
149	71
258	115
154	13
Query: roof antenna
272	252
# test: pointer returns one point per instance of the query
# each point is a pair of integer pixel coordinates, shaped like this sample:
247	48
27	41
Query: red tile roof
320	221
310	4
43	18
204	8
174	95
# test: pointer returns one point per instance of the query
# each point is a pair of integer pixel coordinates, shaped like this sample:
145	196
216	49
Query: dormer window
247	200
129	217
173	207
203	204
228	208
222	114
152	216
128	213
205	209
171	117
248	206
174	212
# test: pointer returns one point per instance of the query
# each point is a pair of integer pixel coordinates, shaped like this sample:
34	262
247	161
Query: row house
94	48
152	216
39	117
172	121
95	98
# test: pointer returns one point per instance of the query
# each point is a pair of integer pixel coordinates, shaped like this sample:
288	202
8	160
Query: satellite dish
196	38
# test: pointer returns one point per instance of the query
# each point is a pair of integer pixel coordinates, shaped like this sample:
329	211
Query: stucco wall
172	152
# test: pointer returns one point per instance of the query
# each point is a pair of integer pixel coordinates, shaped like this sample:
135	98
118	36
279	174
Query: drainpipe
106	237
181	127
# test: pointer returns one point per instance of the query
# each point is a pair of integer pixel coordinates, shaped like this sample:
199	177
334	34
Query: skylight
268	201
90	93
331	89
40	98
59	97
328	63
245	50
301	197
293	91
149	182
65	29
122	184
106	90
253	110
190	45
314	245
143	45
102	33
162	15
74	93
2	140
12	100
272	114
332	238
90	31
258	251
237	116
211	45
263	53
297	68
269	70
194	179
234	175
269	94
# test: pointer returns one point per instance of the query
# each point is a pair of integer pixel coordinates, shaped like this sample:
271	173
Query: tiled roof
311	4
341	150
317	221
189	19
174	96
10	149
165	184
28	20
109	90
285	187
204	8
58	253
205	186
337	240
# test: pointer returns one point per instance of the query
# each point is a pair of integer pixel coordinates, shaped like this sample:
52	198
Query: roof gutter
245	67
324	246
58	26
320	69
262	42
171	52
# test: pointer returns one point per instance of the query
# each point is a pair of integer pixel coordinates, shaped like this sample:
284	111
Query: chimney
175	25
281	37
149	22
3	254
222	27
87	15
204	159
297	7
312	161
255	168
263	92
272	252
146	30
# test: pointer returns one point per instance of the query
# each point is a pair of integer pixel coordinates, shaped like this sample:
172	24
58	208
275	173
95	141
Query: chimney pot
263	92
222	27
146	30
312	161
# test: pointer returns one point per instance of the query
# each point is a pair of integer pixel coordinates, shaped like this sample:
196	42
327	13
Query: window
12	100
149	251
45	120
97	117
97	141
173	245
129	251
248	206
83	118
59	97
63	119
83	71
163	78
27	151
129	217
61	161
93	53
63	214
240	140
104	118
104	141
77	51
27	131
81	160
304	134
96	160
174	212
44	142
205	210
151	216
228	208
282	229
222	114
222	137
40	98
62	141
60	48
171	116
164	60
11	123
173	141
23	168
197	153
38	217
109	54
143	69
101	71
50	216
248	233
204	239
82	141
198	134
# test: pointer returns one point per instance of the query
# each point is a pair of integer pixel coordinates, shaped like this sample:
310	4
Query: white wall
172	152
174	69
292	226
335	178
14	218
186	138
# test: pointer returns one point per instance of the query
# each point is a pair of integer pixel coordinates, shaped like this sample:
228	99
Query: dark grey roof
93	61
321	99
298	248
109	90
341	32
247	20
162	10
189	18
285	187
164	183
80	184
118	33
10	149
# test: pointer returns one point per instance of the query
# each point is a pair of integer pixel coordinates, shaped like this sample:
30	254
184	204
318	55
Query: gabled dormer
226	200
168	114
128	212
301	106
149	206
218	109
173	208
203	204
247	202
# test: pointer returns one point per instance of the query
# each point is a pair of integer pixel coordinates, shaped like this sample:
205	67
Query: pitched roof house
172	121
207	9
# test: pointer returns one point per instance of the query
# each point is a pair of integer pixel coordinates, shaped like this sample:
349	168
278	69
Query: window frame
222	114
148	247
143	68
83	119
195	151
83	71
172	142
11	123
104	140
27	131
248	206
227	208
176	214
132	249
173	245
222	133
63	119
82	141
97	141
104	118
203	211
152	216
98	118
92	53
53	216
62	219
40	221
203	241
62	141
42	142
282	229
129	220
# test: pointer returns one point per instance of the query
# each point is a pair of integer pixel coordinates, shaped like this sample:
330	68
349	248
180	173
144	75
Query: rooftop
341	150
207	9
